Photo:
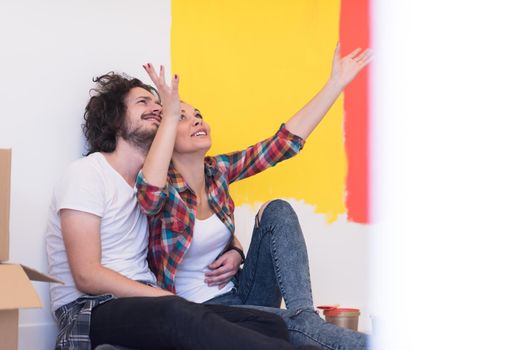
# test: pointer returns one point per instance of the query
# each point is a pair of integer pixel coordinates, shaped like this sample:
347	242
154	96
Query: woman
191	217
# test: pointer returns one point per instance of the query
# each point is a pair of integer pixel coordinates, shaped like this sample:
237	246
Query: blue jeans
277	267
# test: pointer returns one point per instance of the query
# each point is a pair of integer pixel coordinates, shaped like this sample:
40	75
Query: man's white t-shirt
91	185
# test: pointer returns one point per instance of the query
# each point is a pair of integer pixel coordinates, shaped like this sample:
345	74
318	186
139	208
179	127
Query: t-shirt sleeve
81	188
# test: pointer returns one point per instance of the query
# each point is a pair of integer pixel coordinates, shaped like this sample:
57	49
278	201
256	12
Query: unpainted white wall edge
37	336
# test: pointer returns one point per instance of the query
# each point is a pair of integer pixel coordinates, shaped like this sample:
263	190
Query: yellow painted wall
249	66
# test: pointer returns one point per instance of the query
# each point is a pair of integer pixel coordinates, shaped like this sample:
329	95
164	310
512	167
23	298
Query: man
97	244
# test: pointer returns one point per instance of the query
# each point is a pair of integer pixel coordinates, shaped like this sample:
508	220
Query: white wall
50	51
449	176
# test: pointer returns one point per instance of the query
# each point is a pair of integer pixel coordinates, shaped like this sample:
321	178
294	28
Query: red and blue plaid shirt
171	210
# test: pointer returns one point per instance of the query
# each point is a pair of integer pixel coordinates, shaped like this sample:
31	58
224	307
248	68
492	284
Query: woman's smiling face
192	133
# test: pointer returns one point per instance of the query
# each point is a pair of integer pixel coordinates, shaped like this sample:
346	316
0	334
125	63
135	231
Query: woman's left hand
223	269
346	68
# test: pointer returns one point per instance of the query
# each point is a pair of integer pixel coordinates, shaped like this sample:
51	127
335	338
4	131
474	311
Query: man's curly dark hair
105	112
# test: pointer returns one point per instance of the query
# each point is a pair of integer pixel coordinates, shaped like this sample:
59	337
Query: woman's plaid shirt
171	210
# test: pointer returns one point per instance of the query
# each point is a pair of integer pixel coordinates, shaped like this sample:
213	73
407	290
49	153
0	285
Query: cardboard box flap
5	190
16	291
35	275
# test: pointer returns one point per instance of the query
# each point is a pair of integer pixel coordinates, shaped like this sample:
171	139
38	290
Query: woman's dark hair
104	115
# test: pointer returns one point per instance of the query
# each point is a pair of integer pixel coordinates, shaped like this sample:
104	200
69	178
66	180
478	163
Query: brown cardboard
9	329
19	292
16	291
5	190
35	275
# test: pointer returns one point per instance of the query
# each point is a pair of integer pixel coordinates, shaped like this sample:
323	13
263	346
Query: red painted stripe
355	32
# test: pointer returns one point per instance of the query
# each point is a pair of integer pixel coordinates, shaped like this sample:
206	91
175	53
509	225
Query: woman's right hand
169	96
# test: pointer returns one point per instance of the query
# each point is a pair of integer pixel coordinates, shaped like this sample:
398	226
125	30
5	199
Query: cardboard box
16	292
5	191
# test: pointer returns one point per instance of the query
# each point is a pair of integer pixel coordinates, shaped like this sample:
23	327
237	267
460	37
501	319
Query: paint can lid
327	307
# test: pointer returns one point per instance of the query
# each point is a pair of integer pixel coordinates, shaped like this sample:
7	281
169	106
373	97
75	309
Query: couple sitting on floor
141	230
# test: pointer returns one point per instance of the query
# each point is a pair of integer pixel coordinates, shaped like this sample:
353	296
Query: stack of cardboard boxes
16	290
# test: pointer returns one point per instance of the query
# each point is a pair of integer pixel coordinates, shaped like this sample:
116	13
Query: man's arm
225	266
81	232
236	243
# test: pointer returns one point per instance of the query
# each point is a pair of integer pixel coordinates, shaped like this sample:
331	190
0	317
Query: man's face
143	115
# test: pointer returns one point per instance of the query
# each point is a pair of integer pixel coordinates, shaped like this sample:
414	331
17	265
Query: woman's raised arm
343	71
158	158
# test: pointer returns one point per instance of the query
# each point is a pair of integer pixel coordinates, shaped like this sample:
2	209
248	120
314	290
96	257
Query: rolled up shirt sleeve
260	156
150	198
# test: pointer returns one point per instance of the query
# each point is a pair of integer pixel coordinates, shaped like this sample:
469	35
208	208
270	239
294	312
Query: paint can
342	317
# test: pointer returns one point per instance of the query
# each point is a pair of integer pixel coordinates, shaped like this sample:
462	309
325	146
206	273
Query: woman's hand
169	96
346	68
343	71
223	269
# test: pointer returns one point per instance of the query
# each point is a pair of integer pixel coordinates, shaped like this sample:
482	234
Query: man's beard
140	138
